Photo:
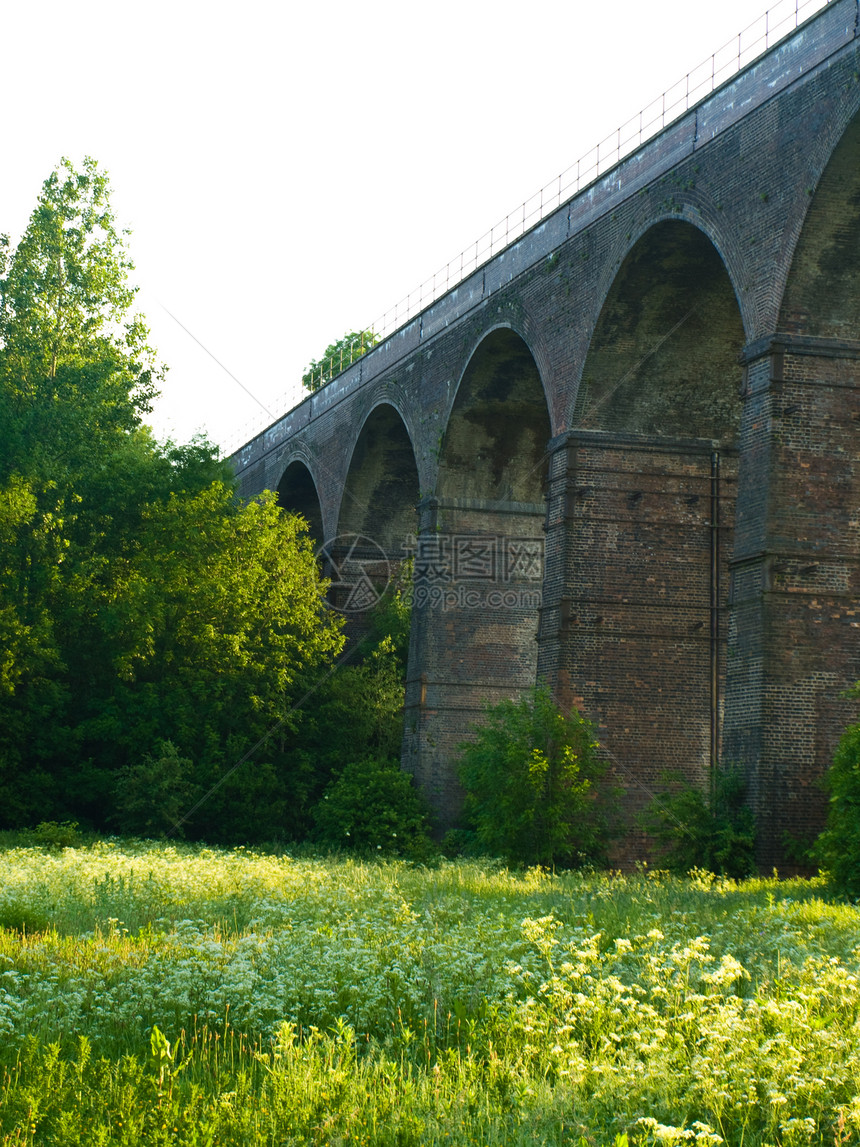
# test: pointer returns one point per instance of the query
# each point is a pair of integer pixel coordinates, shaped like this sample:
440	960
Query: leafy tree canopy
67	333
338	356
141	604
838	847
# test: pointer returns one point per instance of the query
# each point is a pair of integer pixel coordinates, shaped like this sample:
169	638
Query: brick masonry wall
637	638
796	575
477	593
763	173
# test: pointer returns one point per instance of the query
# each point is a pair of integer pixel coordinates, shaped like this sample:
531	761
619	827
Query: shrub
50	834
356	714
373	806
529	779
838	847
461	842
153	794
716	834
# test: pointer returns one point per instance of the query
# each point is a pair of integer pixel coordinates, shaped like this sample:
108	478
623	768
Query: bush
50	834
354	714
838	847
373	806
717	835
154	793
529	778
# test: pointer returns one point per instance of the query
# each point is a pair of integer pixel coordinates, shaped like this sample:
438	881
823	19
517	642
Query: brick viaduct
625	452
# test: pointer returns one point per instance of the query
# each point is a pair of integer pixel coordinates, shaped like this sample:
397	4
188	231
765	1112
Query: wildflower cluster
249	993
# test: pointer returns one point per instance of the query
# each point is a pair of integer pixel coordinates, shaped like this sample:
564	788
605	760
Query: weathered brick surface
637	637
796	574
699	302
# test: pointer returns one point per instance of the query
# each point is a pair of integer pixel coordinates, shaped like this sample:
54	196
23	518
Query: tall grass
323	1001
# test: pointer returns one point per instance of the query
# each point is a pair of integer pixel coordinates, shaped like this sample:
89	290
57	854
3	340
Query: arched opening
648	514
494	446
479	562
663	359
297	493
378	517
381	490
822	295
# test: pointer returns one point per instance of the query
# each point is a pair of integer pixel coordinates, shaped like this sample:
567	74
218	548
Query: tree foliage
350	792
838	847
715	832
67	330
141	604
529	778
337	356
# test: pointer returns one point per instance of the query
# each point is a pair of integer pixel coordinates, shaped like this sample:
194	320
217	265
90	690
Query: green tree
204	627
76	375
140	601
338	356
67	333
838	847
529	778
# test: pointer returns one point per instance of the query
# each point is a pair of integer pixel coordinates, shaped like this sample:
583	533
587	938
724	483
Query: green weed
178	994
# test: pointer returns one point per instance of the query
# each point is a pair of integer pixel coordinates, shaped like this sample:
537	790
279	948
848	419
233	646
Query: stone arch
495	440
479	561
297	493
642	510
380	493
822	292
663	358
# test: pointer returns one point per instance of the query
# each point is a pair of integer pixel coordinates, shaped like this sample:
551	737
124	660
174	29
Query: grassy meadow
156	994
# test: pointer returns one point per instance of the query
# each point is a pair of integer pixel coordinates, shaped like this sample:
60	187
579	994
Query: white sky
290	171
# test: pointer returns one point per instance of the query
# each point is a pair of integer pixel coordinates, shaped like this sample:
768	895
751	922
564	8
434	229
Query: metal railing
719	67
